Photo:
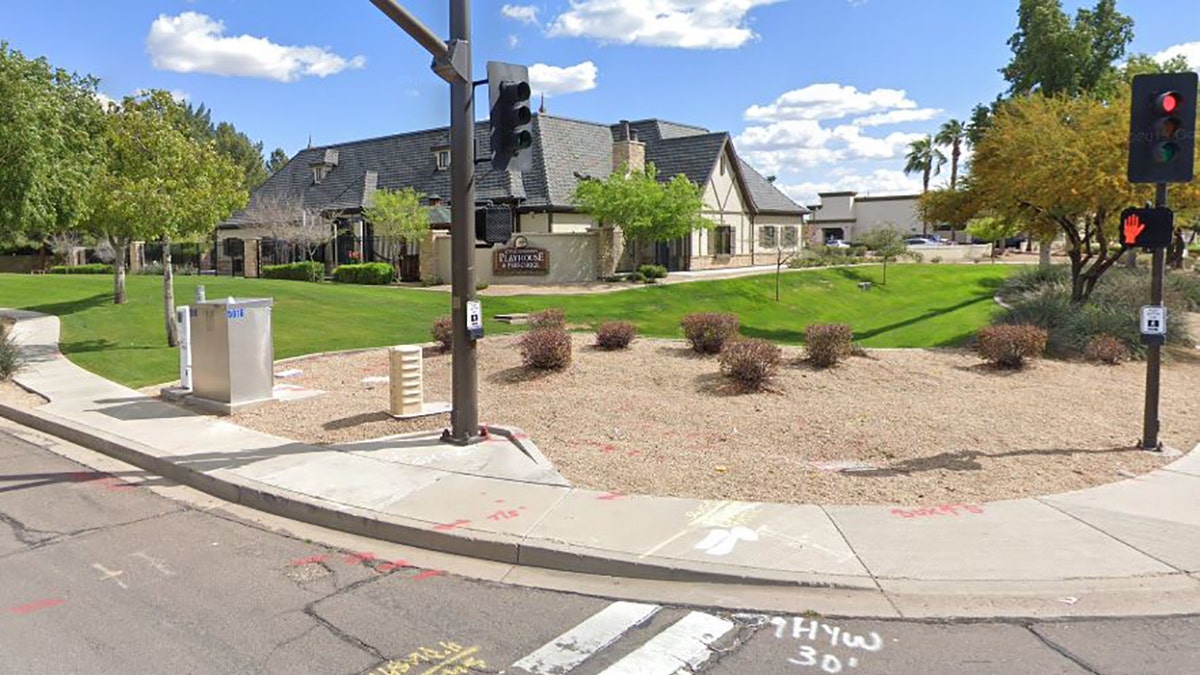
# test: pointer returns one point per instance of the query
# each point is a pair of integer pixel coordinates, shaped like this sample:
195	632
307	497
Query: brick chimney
628	151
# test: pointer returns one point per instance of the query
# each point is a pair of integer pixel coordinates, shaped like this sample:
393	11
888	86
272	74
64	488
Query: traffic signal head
1162	128
1146	228
493	224
511	116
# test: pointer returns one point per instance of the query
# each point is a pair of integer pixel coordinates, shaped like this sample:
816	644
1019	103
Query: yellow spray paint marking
452	659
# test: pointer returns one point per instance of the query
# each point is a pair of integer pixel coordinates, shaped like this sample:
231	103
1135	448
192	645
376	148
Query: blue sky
825	94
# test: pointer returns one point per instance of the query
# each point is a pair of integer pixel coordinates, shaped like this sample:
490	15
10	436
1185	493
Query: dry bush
751	362
443	332
615	334
827	343
546	348
1010	345
548	318
709	331
1106	349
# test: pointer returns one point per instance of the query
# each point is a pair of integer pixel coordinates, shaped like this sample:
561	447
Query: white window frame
765	241
442	158
790	236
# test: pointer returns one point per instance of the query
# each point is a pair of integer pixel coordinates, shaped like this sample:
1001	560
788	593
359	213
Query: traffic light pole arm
449	61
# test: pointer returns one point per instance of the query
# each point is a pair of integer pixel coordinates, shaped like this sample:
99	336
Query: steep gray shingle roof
563	148
767	198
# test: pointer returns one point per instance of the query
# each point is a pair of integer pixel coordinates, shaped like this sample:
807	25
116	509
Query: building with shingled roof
752	219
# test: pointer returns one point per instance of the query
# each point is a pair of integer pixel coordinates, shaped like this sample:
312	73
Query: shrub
368	274
637	278
615	334
546	348
548	318
432	280
653	272
709	331
443	332
827	343
481	285
151	269
91	268
298	271
1009	345
752	362
8	354
1106	349
935	260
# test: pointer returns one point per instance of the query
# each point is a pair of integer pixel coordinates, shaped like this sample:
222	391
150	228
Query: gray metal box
232	352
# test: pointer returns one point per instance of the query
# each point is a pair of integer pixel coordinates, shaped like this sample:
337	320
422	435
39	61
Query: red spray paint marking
101	480
428	573
356	558
611	496
309	560
386	567
35	606
943	510
504	515
446	527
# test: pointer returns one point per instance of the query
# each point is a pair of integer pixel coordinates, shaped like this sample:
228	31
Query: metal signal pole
1154	353
452	62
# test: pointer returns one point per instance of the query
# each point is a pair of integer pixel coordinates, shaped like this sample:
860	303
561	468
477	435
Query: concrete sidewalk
1128	548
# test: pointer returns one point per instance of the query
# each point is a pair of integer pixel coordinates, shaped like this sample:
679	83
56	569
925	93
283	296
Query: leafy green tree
399	215
158	183
952	134
1053	54
196	122
994	229
645	208
51	129
887	244
279	159
924	158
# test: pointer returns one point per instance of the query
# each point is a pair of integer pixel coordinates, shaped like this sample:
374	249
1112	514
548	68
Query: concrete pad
346	479
1143	596
492	459
1158	514
1021	539
1189	463
470	503
729	534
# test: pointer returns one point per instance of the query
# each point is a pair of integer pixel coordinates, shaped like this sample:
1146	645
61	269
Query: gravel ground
936	425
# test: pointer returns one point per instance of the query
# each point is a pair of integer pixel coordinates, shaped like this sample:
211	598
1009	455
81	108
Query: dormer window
323	165
319	172
443	159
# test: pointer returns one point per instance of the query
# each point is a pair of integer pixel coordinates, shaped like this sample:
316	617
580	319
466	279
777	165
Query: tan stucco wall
573	258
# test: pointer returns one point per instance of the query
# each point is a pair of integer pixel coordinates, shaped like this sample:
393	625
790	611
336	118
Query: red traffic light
1168	102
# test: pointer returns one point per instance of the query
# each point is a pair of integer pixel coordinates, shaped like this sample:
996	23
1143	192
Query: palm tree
952	134
924	158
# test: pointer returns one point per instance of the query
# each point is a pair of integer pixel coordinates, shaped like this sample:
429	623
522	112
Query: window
722	240
443	159
724	166
790	233
319	173
767	236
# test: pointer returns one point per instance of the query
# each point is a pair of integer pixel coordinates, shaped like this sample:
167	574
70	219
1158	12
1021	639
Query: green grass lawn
922	306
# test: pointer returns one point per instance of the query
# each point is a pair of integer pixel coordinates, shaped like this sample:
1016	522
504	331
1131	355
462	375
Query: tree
157	183
887	244
1058	165
197	124
947	206
51	129
278	160
398	215
993	229
952	134
1054	55
645	209
924	158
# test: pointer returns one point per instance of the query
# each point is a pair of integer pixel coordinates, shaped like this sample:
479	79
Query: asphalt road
101	576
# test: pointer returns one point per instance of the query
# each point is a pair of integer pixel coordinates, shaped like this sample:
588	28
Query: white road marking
153	562
596	632
682	647
109	574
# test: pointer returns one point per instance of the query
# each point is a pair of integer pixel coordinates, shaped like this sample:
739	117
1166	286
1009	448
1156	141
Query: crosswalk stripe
685	643
595	633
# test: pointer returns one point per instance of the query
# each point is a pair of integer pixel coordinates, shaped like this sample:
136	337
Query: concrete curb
347	518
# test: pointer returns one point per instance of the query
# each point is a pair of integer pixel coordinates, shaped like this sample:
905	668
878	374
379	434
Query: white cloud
513	41
196	43
829	101
898	117
690	24
877	182
179	95
553	80
522	13
1188	50
104	99
795	144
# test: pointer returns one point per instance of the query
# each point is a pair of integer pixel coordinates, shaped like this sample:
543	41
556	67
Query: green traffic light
1165	152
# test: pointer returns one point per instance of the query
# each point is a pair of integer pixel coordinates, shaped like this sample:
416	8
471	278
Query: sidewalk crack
1063	651
874	579
1110	535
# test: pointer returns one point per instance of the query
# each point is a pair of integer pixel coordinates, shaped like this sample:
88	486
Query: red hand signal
1133	228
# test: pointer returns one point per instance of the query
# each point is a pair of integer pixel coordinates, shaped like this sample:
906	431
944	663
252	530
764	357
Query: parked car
837	243
922	241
